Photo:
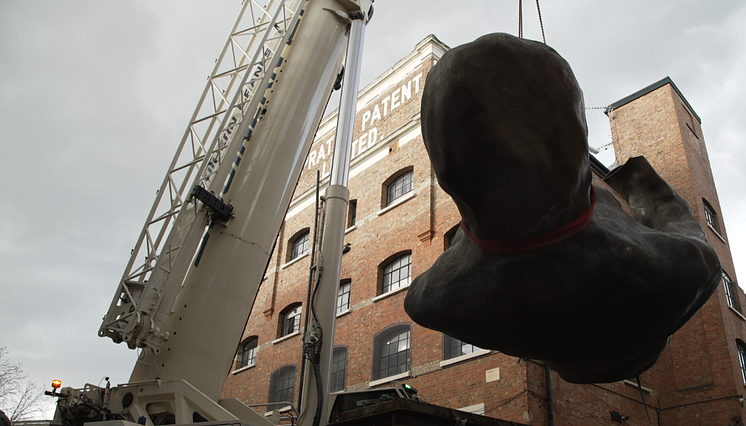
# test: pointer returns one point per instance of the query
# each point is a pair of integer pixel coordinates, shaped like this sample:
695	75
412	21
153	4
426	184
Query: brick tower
700	377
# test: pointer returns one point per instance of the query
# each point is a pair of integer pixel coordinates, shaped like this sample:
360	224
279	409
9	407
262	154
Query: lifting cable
520	20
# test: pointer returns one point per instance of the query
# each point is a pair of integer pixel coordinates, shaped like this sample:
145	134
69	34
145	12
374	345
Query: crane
193	275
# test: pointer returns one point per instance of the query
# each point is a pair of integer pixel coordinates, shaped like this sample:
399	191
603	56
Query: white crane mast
211	308
235	89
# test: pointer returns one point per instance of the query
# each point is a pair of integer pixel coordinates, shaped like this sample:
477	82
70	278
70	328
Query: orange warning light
56	384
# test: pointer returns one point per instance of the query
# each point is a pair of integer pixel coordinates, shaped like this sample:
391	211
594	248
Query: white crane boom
188	302
235	90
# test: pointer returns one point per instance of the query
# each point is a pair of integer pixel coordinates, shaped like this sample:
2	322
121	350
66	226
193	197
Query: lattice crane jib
224	118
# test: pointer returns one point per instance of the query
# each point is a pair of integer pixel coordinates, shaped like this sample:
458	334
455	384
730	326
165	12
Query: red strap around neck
551	238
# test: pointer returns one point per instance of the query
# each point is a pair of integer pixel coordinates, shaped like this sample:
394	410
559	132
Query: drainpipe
550	408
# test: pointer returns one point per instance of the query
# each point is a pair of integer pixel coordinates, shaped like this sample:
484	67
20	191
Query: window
392	352
290	320
339	370
343	296
397	273
711	216
248	352
453	347
689	122
730	291
742	358
400	186
449	239
282	385
351	213
299	247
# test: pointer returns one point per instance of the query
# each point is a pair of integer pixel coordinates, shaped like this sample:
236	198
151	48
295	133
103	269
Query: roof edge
598	166
642	92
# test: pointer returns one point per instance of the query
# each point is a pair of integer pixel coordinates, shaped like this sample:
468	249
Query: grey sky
95	95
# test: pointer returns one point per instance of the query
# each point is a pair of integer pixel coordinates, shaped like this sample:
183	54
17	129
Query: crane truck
190	284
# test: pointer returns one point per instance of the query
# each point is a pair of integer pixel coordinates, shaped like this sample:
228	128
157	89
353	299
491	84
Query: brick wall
693	383
698	376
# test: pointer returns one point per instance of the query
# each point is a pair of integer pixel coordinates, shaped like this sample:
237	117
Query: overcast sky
95	95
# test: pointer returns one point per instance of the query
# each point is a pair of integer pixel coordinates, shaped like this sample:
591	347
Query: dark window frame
338	372
351	213
741	346
298	245
248	352
711	216
449	238
343	296
290	320
389	358
390	273
454	348
731	295
398	184
282	385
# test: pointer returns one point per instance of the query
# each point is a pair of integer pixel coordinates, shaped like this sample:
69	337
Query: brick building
399	221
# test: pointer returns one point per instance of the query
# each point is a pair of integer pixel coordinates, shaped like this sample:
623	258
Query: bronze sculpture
548	266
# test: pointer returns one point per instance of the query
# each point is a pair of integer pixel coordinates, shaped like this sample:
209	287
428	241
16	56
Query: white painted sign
391	102
320	157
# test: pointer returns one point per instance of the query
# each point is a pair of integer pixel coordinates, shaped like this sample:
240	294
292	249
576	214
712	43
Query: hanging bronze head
548	266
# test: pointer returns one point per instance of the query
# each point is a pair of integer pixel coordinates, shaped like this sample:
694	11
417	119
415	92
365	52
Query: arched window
248	351
396	186
351	213
742	358
453	347
711	216
298	245
730	292
397	273
449	239
339	369
290	320
343	296
282	385
392	352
